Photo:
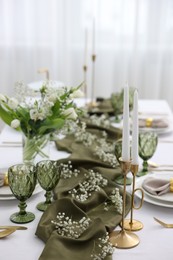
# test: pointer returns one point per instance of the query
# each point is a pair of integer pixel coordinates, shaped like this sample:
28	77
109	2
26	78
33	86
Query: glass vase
35	149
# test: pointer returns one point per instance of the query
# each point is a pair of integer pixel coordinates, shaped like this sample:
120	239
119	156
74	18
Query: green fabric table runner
82	159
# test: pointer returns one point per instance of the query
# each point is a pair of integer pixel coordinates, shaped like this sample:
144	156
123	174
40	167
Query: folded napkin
1	179
104	106
101	221
153	123
157	186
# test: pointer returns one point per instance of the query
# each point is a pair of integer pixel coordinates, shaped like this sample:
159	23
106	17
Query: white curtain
133	43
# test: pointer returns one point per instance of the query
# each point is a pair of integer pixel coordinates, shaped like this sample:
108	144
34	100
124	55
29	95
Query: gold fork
166	225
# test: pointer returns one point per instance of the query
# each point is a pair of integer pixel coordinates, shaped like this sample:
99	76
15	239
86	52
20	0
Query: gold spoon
166	225
6	232
14	227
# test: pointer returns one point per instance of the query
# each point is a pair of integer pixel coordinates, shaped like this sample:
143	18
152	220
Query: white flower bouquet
44	114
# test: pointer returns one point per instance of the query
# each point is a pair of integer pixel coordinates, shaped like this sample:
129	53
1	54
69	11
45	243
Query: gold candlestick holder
132	224
123	238
44	70
93	103
85	81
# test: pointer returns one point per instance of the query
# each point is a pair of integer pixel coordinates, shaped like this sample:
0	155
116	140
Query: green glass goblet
118	152
117	104
147	147
48	175
22	180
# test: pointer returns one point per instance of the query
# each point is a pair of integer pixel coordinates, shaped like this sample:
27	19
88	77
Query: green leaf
6	116
51	124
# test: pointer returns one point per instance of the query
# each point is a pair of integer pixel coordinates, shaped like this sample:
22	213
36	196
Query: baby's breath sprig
82	136
115	200
93	182
67	170
102	248
106	146
102	120
68	227
69	127
106	157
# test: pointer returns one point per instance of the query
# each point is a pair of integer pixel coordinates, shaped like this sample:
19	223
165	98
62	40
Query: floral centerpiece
37	117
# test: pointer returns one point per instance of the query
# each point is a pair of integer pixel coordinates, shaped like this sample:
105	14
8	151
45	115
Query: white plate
159	131
166	201
7	194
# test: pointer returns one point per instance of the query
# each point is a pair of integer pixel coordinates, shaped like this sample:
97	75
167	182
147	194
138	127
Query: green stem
22	206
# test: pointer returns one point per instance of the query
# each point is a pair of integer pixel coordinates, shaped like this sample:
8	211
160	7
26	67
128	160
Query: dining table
155	240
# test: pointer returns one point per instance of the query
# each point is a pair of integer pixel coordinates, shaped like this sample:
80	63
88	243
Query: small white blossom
94	181
102	120
68	227
67	170
15	123
102	248
34	114
115	200
3	98
82	136
70	113
13	103
77	94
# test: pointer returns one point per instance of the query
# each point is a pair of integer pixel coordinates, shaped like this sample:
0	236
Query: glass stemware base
22	216
42	206
120	181
21	219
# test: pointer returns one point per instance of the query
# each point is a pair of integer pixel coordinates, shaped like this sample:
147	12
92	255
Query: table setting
75	213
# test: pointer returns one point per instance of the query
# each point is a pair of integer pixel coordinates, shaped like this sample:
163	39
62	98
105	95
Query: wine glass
147	147
118	152
48	175
117	104
22	180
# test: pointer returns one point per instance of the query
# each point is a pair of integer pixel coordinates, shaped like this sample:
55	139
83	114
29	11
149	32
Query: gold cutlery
7	232
166	225
165	141
153	113
152	169
152	166
14	227
155	165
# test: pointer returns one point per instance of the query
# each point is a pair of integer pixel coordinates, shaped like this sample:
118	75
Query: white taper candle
86	47
126	139
135	129
93	39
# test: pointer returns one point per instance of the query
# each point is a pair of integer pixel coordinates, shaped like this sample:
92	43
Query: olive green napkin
1	179
62	247
102	107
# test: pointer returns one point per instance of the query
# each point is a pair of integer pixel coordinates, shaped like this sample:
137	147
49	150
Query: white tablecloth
155	241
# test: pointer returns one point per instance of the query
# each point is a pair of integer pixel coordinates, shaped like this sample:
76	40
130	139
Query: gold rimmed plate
6	194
